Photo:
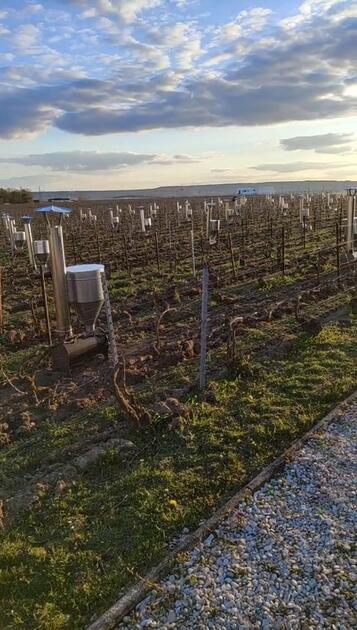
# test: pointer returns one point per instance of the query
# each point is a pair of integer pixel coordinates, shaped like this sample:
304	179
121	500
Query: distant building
247	191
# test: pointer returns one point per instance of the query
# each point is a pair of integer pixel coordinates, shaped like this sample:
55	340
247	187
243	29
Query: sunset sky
115	94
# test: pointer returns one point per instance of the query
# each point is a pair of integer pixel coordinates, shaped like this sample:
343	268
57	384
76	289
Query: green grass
13	362
70	557
278	281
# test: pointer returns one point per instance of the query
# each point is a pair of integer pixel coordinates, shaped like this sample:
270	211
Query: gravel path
284	559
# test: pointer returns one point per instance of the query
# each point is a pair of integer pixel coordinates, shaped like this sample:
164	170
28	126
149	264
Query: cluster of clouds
326	143
132	65
94	161
330	143
126	11
295	167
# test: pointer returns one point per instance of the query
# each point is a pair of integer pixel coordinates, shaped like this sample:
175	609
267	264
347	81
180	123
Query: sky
120	94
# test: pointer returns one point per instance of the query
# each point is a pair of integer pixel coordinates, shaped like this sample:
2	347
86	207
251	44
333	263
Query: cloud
26	36
247	22
321	143
34	8
86	161
124	10
300	78
33	109
22	115
335	150
184	3
178	159
310	9
298	74
295	167
212	102
186	159
81	160
27	181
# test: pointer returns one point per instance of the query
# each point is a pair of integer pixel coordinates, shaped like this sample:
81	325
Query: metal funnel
20	240
85	293
42	251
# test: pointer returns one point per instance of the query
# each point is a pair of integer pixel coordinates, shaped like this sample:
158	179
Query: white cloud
246	23
221	170
125	10
4	30
183	41
92	161
26	36
34	8
296	167
320	143
158	73
184	3
89	13
311	9
27	181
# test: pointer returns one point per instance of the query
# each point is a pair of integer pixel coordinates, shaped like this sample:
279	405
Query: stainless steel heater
85	293
79	286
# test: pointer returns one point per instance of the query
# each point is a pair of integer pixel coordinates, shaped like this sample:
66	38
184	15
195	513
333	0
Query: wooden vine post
232	256
204	322
74	247
126	258
1	304
111	331
338	254
193	253
157	251
99	253
283	250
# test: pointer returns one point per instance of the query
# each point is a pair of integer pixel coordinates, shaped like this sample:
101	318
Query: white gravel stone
283	559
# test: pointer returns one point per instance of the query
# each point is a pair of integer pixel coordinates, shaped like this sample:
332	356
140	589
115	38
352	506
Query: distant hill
202	190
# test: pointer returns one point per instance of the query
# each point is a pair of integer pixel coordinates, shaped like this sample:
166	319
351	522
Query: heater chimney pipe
58	269
12	230
29	242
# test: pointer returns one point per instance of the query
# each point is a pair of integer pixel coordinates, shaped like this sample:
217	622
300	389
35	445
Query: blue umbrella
54	210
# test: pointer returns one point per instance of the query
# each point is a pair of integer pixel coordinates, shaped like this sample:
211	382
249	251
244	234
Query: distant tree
11	195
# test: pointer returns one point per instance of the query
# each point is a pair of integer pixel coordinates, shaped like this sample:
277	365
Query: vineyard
234	327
